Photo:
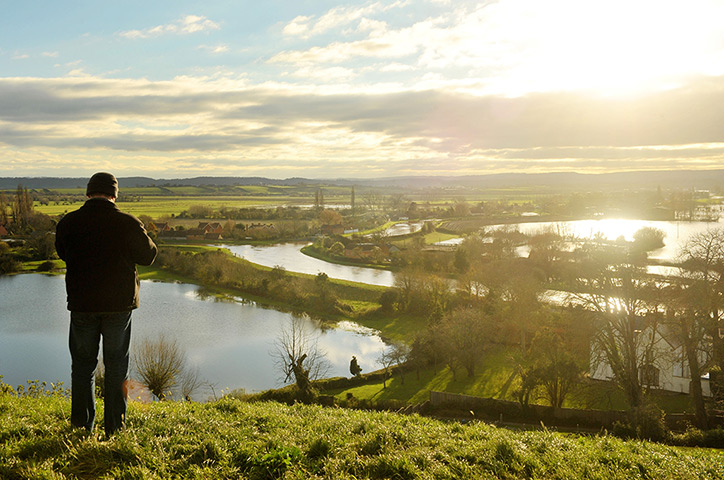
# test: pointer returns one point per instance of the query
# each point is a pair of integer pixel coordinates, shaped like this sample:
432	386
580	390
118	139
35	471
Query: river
229	341
289	256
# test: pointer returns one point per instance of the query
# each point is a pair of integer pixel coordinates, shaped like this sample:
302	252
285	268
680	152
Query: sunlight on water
676	233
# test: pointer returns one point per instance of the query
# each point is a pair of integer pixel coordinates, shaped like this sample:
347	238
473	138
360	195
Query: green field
166	200
165	206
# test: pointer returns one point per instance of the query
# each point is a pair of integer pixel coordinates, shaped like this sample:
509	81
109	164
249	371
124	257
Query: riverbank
289	291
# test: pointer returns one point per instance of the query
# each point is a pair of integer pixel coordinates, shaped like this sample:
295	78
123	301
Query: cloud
186	25
215	48
297	130
21	56
336	18
514	47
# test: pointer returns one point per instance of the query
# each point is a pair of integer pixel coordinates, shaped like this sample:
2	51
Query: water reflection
228	341
676	233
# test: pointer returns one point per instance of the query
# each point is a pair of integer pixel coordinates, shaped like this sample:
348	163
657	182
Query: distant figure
101	246
354	367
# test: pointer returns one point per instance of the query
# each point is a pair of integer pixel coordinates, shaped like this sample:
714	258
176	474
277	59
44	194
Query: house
205	231
160	227
3	231
210	227
669	368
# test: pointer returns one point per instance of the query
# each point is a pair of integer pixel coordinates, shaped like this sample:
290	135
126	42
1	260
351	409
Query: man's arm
60	240
142	247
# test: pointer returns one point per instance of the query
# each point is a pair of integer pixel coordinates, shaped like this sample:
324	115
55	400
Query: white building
669	369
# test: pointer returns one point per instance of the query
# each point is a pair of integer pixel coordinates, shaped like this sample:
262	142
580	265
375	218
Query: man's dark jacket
101	246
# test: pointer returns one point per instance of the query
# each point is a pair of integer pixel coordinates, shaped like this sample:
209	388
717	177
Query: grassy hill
233	439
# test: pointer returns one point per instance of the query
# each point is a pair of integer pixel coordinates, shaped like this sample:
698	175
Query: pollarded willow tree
159	364
299	358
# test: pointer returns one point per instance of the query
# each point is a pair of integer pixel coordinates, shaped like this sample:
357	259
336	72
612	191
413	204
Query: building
668	369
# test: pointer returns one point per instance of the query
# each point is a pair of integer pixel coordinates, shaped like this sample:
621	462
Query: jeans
86	330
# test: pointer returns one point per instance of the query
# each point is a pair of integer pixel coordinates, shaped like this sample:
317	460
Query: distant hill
702	179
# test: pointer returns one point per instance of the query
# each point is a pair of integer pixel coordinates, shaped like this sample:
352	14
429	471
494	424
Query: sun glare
616	47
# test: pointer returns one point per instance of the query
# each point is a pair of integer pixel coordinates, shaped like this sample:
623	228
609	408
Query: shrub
645	422
9	265
46	266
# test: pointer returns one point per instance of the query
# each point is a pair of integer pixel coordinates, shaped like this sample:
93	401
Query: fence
493	409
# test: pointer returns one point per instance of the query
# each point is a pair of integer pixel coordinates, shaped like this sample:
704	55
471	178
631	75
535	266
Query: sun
613	47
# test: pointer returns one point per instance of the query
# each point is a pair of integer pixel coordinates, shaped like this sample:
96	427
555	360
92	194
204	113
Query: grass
496	377
165	206
397	327
435	237
310	251
32	266
164	201
233	439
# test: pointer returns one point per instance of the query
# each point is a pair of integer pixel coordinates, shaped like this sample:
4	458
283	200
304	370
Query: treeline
249	213
33	231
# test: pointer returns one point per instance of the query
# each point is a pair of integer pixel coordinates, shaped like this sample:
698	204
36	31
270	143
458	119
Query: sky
321	89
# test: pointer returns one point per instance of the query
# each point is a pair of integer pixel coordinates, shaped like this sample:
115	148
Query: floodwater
228	341
676	233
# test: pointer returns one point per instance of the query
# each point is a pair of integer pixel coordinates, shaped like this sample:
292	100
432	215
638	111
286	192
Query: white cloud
21	56
513	47
50	54
326	74
186	25
336	18
215	48
297	27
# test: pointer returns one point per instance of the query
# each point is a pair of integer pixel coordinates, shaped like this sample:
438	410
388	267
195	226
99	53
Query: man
101	246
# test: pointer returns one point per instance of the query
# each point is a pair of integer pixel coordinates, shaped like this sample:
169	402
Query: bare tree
627	305
700	313
395	355
386	360
688	322
3	209
189	382
464	336
298	357
159	364
555	360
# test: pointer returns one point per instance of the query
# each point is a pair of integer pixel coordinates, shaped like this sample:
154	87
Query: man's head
104	184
